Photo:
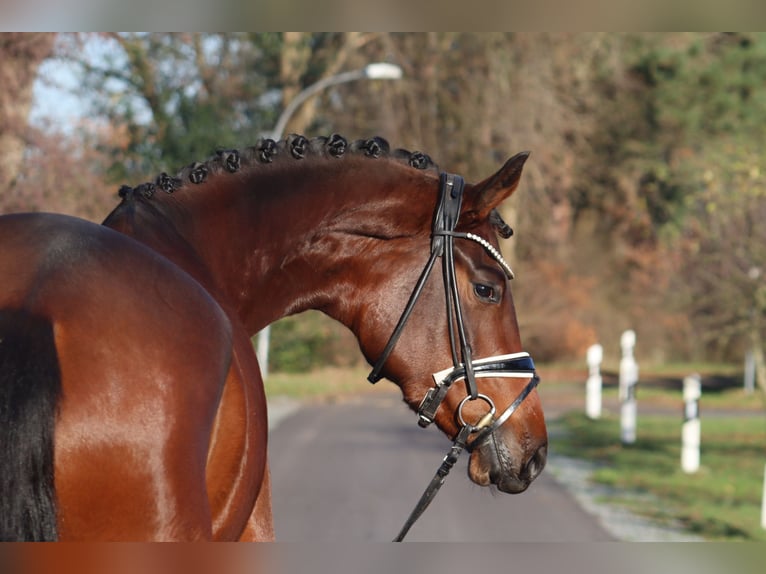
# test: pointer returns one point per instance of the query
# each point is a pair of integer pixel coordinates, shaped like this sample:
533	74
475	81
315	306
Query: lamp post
375	71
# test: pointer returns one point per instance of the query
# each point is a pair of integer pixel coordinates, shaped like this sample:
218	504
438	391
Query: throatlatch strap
445	219
376	373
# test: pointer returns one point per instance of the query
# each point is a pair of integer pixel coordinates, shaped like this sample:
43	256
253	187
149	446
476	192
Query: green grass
320	383
659	386
722	501
732	399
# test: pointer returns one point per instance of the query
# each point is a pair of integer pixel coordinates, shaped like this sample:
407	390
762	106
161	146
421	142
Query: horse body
135	421
161	426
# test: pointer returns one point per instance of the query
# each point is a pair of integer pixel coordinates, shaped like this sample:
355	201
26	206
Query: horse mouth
506	466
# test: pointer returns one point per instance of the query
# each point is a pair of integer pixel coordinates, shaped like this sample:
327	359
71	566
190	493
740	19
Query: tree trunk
20	57
296	55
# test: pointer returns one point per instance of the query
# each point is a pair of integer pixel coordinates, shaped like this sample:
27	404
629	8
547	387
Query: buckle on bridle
430	404
427	408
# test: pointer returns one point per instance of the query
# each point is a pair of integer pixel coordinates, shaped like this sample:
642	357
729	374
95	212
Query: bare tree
722	256
605	116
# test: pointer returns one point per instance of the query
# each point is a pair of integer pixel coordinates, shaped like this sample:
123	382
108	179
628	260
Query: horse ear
488	194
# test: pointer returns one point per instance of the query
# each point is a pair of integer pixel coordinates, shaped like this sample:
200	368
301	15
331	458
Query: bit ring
485	398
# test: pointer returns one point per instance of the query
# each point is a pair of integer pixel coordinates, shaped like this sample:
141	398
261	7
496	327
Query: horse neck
272	242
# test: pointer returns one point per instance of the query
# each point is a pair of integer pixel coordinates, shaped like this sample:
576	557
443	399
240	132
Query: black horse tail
30	388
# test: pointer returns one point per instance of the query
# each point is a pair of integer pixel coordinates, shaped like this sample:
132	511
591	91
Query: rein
464	366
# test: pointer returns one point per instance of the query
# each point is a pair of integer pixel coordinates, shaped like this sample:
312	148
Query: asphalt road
352	471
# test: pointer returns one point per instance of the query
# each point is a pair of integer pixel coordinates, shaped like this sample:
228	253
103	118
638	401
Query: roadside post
594	383
628	381
763	503
690	432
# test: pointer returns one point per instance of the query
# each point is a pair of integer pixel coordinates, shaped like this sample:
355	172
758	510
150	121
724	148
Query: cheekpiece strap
445	219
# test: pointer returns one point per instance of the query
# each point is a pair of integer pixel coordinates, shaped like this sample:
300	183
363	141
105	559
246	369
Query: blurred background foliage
642	206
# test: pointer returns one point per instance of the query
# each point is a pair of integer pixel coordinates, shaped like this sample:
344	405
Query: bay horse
131	401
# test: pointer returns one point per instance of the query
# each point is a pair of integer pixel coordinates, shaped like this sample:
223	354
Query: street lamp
375	71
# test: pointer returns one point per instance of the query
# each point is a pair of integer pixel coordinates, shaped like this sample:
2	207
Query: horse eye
485	292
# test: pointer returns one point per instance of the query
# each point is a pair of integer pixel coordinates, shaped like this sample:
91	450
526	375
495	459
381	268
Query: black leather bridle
464	366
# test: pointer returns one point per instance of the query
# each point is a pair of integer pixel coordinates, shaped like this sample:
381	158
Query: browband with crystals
494	253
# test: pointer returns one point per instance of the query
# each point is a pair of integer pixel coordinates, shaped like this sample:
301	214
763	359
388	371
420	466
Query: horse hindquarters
30	387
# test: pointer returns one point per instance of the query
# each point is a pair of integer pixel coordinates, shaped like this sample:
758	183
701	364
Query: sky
55	106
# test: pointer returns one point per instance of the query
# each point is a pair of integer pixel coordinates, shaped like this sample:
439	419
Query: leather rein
464	366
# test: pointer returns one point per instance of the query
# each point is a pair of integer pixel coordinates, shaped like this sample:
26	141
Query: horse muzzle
501	461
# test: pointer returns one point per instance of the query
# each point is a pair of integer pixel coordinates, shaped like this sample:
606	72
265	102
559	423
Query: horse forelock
266	152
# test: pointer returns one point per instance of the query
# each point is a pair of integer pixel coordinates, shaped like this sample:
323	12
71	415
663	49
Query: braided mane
292	148
266	151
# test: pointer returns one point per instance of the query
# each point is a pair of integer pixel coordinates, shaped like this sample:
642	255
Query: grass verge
722	501
328	382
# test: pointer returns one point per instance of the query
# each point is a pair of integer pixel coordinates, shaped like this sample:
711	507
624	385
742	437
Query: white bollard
690	432
593	385
628	368
763	503
628	381
628	415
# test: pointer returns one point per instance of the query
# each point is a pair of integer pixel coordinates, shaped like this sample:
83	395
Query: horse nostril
535	464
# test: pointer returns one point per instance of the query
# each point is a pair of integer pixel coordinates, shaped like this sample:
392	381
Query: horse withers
131	403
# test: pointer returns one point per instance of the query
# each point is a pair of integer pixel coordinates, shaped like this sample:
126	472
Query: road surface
353	470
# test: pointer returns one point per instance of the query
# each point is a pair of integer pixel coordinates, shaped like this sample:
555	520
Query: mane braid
503	229
294	147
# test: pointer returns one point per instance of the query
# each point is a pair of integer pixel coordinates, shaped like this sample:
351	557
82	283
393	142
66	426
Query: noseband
464	366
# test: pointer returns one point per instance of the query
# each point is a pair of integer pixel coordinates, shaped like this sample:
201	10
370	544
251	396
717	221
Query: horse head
464	319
